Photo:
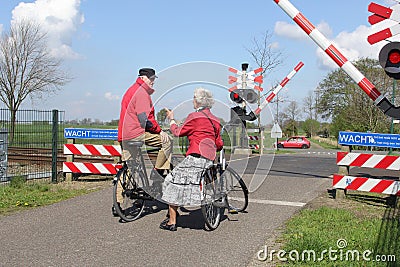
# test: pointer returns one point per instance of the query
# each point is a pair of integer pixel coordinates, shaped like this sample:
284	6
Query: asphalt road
82	232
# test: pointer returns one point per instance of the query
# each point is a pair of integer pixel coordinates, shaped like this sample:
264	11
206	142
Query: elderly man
137	121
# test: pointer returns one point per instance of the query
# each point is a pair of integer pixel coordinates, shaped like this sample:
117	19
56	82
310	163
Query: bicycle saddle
136	143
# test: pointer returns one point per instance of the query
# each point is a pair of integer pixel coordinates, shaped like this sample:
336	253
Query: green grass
280	151
20	195
323	144
320	229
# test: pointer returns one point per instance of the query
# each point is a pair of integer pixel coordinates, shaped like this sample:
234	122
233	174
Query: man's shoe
114	211
232	210
165	221
169	227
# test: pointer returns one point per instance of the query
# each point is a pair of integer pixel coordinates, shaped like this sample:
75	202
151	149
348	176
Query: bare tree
309	106
292	111
26	67
292	115
263	53
264	56
279	99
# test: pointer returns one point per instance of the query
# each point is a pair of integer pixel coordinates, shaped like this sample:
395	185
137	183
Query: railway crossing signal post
243	93
389	56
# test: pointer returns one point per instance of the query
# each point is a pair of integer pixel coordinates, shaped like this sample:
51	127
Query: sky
189	43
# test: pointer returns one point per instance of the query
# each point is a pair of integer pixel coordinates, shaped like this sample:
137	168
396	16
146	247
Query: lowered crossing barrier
347	159
347	182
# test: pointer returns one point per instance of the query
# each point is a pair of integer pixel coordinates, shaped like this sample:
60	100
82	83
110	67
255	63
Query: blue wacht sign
369	139
75	133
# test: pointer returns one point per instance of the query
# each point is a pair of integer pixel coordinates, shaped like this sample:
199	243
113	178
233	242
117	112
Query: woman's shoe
169	227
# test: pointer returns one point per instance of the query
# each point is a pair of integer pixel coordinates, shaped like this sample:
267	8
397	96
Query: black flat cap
149	72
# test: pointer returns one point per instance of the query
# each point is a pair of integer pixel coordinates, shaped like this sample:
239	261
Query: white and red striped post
279	87
381	101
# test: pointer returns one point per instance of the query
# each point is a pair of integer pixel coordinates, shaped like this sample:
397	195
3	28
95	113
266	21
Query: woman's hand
170	114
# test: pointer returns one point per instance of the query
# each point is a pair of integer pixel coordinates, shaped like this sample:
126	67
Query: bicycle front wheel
127	204
212	212
236	189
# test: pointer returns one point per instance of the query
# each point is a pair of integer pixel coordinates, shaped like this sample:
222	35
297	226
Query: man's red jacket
136	103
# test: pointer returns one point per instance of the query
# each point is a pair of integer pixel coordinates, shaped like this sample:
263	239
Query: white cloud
292	31
274	45
59	18
289	30
1	28
354	45
391	2
110	96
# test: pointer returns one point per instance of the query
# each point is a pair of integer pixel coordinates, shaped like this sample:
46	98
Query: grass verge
360	230
21	195
320	142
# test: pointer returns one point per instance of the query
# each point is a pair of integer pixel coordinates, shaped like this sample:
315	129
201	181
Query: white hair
203	97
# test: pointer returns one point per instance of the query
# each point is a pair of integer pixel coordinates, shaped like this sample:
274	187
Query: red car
295	142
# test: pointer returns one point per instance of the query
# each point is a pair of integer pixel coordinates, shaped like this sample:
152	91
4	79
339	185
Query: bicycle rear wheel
212	212
131	205
236	189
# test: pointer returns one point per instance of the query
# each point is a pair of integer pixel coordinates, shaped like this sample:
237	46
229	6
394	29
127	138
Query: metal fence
29	147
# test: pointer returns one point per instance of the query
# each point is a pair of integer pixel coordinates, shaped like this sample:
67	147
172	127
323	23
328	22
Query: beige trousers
154	140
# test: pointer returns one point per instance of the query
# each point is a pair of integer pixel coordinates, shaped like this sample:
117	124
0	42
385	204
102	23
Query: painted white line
250	157
272	202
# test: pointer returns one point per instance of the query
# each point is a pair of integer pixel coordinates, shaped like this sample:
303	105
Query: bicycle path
82	232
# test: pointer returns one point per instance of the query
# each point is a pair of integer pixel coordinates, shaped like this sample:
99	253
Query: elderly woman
182	186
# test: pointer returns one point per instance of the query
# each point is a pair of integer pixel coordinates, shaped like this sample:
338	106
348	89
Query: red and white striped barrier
253	137
383	186
389	187
279	87
93	150
90	168
330	50
368	161
254	146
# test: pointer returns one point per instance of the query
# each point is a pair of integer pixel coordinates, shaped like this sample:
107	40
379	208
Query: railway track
44	156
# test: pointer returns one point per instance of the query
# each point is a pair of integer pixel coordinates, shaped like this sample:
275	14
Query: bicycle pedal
144	196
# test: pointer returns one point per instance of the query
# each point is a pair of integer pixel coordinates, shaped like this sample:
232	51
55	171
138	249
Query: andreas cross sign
379	100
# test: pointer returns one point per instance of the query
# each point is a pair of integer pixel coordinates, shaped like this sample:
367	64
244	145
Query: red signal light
235	97
394	56
389	59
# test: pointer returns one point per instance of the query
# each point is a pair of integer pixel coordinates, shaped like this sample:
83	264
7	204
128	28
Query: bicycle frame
137	162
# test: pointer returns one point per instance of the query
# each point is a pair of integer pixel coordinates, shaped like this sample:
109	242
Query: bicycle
134	184
222	188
